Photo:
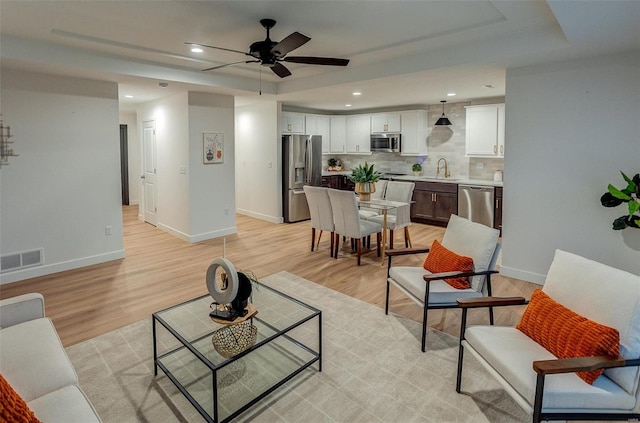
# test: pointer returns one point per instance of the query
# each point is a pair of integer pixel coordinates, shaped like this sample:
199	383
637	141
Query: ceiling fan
271	53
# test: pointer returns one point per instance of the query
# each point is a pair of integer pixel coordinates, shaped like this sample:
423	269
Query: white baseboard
47	269
260	216
199	237
523	275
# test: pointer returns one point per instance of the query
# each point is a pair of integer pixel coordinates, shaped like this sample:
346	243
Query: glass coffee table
225	369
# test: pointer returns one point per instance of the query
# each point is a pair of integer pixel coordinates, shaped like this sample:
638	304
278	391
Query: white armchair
545	386
429	290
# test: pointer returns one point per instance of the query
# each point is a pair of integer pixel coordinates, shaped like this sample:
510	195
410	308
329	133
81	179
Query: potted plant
417	169
630	195
365	178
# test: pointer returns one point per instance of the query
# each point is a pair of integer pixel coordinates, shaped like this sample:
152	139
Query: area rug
373	371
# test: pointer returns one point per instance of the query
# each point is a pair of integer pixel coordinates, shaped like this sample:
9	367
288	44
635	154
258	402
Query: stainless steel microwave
389	143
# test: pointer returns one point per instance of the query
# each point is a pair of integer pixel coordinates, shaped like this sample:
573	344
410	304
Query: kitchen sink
440	179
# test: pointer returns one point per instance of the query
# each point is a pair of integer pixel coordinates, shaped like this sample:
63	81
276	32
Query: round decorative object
228	294
233	339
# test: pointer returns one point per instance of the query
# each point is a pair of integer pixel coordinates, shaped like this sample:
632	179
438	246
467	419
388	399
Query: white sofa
547	387
34	362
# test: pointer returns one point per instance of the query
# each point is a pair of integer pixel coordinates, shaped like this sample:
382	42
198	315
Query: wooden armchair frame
547	367
428	278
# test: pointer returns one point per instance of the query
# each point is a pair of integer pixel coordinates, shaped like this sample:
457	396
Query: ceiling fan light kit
270	53
443	121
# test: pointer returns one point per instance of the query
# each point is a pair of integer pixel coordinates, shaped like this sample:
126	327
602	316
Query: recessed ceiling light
196	50
347	105
163	84
357	93
128	96
489	86
451	94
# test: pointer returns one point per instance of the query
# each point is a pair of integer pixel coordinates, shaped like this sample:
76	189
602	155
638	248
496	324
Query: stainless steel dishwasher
476	203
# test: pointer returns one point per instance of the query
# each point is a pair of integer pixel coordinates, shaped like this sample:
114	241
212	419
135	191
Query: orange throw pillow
12	407
567	334
441	260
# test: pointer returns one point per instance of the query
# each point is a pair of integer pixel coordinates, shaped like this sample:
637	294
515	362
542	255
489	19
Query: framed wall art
212	148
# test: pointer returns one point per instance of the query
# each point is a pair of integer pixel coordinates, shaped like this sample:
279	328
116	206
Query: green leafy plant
332	162
630	195
417	167
364	173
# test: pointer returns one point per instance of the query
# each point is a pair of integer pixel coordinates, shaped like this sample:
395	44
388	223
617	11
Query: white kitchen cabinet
358	134
385	122
292	123
485	130
414	133
320	125
338	130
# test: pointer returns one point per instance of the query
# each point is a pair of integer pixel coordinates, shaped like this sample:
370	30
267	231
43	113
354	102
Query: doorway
124	164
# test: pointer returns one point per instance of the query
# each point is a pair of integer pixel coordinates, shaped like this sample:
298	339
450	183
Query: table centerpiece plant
630	195
365	178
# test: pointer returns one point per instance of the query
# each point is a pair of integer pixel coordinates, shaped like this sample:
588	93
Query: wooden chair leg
407	238
378	242
332	243
391	239
359	248
313	237
337	246
319	238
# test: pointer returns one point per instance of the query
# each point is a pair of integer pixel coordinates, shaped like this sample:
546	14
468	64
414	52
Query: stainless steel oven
389	143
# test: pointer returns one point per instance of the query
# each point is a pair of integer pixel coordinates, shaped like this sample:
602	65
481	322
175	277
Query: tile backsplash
443	141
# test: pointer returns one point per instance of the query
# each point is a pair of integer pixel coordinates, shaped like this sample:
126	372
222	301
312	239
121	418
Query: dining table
384	206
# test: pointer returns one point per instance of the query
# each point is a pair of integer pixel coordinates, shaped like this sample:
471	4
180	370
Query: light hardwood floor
160	270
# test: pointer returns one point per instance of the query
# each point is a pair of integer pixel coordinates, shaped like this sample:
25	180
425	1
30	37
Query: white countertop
483	182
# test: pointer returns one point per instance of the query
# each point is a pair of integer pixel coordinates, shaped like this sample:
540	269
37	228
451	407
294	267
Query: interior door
149	176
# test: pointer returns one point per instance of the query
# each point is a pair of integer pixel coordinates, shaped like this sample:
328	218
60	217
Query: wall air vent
16	261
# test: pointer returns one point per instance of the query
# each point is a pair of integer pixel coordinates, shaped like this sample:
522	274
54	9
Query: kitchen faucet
446	168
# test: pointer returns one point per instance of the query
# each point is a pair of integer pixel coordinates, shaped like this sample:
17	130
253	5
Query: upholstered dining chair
348	223
381	188
429	289
400	217
321	213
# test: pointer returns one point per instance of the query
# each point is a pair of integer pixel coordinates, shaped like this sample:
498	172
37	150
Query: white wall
259	161
211	186
171	116
133	151
64	188
570	128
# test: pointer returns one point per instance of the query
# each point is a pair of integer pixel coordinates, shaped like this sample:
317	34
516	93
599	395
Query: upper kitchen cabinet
485	130
338	131
292	123
358	134
387	122
414	133
320	125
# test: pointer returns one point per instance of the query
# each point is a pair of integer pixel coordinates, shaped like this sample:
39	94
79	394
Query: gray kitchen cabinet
292	123
358	135
385	122
485	130
414	133
434	202
497	215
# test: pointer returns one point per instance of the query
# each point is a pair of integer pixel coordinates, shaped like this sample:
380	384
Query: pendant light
443	119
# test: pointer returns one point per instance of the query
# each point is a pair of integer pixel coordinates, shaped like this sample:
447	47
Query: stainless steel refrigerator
302	160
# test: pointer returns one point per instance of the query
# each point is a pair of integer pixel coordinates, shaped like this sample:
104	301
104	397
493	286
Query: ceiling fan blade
229	64
280	70
291	42
219	48
329	61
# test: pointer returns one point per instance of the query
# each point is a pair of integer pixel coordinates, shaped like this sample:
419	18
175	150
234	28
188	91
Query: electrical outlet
226	211
269	165
107	230
479	165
